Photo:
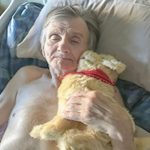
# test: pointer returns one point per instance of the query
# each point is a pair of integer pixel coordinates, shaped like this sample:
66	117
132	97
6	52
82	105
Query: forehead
72	25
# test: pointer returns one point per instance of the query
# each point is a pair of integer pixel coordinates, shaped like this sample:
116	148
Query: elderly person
30	98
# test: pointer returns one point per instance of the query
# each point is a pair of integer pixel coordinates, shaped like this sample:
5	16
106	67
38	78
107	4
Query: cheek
48	51
77	53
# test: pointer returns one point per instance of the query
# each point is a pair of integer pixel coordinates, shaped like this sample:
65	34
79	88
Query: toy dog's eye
89	61
82	57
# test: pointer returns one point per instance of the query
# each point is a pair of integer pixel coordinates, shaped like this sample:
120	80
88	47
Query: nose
64	45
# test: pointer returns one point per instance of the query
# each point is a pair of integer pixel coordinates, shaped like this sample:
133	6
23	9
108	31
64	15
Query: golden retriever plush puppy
95	72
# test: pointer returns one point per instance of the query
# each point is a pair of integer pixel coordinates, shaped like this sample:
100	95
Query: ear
114	64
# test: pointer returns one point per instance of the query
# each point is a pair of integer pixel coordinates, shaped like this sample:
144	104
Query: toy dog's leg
75	139
54	128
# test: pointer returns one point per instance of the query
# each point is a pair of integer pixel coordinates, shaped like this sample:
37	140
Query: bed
125	33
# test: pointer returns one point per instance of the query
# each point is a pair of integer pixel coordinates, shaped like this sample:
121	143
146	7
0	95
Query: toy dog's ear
114	64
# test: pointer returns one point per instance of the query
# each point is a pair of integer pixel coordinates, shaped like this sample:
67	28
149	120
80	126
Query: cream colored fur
72	135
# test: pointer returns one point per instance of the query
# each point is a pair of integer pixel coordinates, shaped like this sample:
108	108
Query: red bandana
98	74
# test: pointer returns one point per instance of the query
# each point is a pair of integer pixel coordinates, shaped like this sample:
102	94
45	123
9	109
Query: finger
83	104
73	107
95	102
71	115
80	93
77	99
76	93
83	97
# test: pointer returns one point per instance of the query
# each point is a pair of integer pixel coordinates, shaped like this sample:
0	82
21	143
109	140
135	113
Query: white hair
74	11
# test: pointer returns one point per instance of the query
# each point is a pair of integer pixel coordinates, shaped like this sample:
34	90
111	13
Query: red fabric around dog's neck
97	73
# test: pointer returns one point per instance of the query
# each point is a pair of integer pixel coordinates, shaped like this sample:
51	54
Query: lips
62	57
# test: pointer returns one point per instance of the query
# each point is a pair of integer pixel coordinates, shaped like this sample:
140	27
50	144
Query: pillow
125	34
124	29
20	23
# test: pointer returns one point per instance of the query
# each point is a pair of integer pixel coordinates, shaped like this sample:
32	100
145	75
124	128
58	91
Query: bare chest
36	97
36	91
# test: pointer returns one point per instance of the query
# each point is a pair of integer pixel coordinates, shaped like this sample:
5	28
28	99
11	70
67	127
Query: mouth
62	58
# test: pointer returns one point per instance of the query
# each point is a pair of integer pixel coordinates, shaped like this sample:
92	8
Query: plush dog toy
95	72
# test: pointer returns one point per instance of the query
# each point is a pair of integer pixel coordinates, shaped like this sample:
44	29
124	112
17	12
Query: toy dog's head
91	60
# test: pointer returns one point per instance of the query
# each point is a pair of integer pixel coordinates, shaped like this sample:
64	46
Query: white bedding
124	29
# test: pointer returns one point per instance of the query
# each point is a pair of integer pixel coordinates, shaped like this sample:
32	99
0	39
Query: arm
123	136
122	133
100	112
8	96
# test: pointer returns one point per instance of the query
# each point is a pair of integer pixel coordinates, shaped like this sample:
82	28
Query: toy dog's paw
36	131
50	132
46	131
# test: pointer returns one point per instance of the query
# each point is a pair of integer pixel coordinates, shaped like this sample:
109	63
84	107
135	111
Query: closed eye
75	40
89	61
55	37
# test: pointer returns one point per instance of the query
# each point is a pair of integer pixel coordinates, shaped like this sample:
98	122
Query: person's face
66	40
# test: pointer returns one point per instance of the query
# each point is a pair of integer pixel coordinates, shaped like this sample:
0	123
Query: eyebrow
78	34
59	30
55	30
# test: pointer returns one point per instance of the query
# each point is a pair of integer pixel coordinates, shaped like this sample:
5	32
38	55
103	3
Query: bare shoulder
23	76
31	67
31	72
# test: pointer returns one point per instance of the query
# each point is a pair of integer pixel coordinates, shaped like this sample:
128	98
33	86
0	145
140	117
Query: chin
67	70
61	69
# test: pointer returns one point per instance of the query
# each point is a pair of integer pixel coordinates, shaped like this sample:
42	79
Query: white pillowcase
124	29
30	46
126	35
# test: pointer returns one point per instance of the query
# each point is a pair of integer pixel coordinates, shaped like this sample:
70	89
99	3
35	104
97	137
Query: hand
94	109
99	112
